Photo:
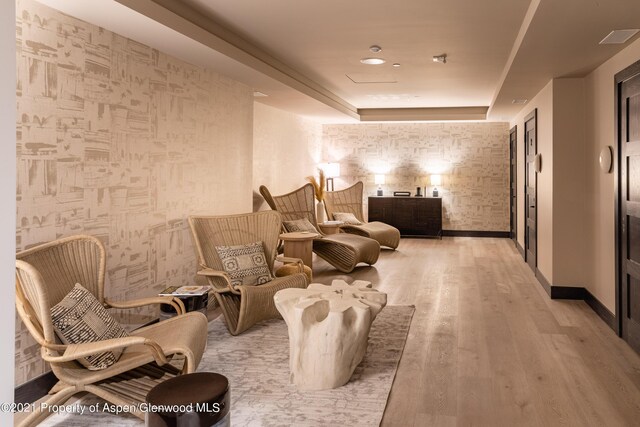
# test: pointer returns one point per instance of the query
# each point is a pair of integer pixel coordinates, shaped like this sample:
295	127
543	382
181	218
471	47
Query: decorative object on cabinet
435	181
418	191
402	193
380	181
606	159
413	216
349	200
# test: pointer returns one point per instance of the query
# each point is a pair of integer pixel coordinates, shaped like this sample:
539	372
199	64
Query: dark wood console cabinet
413	216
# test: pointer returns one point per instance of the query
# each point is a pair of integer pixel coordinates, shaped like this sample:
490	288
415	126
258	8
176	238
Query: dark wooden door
629	209
513	182
530	192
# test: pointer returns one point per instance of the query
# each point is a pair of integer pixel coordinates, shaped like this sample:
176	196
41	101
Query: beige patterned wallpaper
121	141
473	158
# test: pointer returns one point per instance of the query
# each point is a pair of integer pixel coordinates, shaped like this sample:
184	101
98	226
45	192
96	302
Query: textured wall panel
472	157
121	141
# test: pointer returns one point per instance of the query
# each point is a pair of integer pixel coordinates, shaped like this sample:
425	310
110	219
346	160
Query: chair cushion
245	264
80	318
299	225
347	218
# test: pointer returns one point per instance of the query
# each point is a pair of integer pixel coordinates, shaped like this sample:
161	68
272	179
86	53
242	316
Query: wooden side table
330	227
299	244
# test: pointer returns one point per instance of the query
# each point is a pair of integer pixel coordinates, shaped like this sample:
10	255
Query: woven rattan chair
343	251
242	306
349	200
44	276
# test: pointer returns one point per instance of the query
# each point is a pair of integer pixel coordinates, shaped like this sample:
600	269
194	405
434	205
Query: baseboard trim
602	311
33	390
578	293
475	233
520	249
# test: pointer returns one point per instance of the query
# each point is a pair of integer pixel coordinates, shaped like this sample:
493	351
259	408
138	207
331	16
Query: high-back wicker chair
349	200
242	306
343	251
44	276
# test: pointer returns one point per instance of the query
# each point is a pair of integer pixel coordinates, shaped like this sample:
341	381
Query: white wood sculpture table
328	330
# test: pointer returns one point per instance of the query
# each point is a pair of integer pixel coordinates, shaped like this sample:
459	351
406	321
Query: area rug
257	366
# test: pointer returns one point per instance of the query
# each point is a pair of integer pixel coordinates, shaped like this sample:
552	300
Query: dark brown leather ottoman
192	400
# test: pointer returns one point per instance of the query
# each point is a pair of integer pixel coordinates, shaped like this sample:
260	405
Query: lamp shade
379	179
436	180
331	170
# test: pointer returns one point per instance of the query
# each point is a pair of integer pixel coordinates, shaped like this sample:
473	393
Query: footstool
328	330
197	399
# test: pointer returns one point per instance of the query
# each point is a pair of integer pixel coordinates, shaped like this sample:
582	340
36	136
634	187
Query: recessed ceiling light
396	65
520	101
442	59
375	48
259	94
372	61
619	36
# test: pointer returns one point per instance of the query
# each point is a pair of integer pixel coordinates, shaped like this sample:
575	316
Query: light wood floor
488	347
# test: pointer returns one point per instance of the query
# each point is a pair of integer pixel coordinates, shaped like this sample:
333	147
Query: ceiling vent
619	36
519	101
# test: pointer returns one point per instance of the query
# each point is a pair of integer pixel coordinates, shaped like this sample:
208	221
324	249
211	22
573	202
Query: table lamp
435	181
379	179
331	170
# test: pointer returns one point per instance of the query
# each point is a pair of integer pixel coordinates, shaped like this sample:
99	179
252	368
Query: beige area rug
257	366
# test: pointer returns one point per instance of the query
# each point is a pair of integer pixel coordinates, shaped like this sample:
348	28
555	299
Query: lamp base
435	192
379	192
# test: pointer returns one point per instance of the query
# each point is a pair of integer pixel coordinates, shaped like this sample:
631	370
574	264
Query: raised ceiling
305	55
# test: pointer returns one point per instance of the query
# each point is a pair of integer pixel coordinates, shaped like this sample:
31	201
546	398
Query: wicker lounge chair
44	276
349	200
242	305
343	251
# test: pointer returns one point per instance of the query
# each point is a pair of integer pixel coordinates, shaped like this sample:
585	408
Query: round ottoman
289	269
190	400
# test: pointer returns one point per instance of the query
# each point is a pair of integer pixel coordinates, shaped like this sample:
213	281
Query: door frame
513	184
619	78
533	115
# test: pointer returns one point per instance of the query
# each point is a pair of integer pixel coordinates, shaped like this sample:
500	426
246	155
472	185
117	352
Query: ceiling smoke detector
442	59
619	36
375	48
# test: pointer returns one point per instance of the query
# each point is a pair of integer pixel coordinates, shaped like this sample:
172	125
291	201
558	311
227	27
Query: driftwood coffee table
328	330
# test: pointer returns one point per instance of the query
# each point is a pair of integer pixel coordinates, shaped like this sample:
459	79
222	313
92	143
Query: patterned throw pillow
347	218
245	264
80	318
299	225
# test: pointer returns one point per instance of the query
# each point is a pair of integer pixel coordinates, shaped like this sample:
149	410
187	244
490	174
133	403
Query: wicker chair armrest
76	351
291	260
210	272
176	303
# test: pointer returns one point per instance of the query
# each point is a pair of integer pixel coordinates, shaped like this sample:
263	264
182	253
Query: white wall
569	193
286	149
600	256
8	197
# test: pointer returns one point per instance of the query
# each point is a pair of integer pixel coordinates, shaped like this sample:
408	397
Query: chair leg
37	416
